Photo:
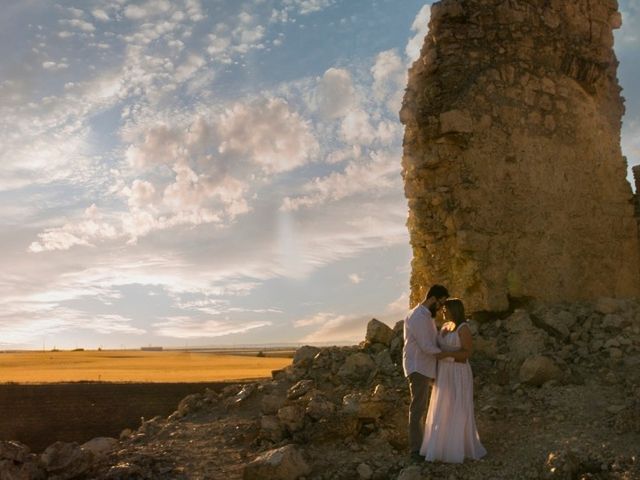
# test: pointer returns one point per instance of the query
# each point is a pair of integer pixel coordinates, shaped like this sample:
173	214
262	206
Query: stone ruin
512	163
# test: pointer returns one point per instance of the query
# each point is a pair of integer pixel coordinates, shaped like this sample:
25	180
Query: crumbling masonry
512	163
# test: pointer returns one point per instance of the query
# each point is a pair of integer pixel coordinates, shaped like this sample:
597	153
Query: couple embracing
435	363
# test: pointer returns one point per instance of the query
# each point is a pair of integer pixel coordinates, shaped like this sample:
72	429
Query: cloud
335	93
355	278
187	327
53	66
147	9
79	24
380	172
389	79
100	14
356	128
420	26
305	7
334	328
269	133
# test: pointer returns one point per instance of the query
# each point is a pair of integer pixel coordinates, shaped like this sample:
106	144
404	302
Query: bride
450	431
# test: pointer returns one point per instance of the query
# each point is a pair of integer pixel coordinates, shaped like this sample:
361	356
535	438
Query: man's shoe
415	457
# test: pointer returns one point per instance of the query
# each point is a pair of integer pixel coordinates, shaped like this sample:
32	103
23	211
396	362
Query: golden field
133	366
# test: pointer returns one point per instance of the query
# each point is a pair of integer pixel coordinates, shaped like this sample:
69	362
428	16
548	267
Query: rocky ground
557	392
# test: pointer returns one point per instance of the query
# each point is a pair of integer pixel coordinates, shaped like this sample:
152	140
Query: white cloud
305	7
147	9
268	133
100	14
79	24
356	128
187	327
420	26
53	66
379	173
335	93
334	328
389	79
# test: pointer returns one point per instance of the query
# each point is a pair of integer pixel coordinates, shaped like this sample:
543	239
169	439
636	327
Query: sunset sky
199	172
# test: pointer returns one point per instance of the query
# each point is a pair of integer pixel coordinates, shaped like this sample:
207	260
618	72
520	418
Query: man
419	361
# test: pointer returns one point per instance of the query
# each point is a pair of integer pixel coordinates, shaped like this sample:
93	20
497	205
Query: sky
201	172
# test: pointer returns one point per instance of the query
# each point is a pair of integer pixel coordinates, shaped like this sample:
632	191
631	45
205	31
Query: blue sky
195	172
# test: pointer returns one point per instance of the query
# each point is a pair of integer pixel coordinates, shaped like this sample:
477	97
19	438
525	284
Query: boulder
270	404
14	451
66	460
558	324
285	463
292	417
378	332
299	389
305	354
519	321
539	369
365	472
100	446
271	429
412	472
357	367
609	305
319	407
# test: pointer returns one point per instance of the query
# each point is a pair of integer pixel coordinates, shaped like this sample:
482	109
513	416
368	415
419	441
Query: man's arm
425	333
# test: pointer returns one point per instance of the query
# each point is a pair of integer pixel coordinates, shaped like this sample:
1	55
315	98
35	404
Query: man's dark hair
438	291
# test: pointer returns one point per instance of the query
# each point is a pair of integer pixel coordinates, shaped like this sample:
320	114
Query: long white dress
450	431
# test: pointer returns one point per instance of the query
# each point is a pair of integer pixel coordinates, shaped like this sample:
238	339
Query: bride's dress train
450	432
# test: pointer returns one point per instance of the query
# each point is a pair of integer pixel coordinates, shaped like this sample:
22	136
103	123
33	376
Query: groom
419	362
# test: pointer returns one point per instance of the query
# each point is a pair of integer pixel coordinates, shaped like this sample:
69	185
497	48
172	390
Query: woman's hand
441	355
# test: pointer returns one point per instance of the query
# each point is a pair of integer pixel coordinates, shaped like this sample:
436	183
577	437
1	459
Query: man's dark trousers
419	388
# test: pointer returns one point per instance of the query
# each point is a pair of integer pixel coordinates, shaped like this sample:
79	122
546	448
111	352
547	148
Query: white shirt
420	344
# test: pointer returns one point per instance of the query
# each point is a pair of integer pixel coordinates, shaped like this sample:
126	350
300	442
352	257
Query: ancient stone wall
512	163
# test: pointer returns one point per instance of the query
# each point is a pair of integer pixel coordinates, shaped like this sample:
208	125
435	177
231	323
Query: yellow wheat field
133	366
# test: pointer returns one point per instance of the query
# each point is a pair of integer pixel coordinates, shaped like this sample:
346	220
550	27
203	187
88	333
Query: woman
450	431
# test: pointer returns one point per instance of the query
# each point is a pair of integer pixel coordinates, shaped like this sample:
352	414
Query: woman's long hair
455	310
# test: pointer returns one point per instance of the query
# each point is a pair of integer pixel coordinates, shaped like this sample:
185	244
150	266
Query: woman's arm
466	346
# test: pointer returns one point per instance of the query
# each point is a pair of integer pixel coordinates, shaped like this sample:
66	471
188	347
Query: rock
384	362
456	121
285	463
485	346
271	428
305	354
319	407
412	472
378	332
292	417
538	370
357	367
270	404
558	324
14	451
609	305
100	446
299	389
362	407
519	321
66	460
365	472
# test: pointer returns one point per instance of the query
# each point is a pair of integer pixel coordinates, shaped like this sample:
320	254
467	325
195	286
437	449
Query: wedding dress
450	431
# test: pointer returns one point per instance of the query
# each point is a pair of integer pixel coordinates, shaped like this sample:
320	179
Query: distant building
151	349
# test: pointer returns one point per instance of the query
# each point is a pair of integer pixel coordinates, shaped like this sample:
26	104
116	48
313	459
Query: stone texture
538	370
378	332
512	114
66	460
284	463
